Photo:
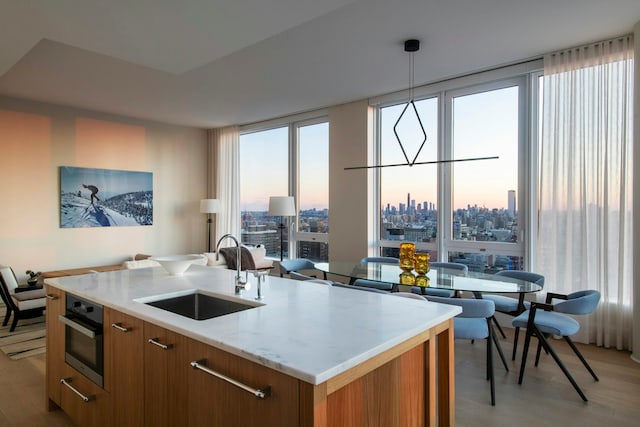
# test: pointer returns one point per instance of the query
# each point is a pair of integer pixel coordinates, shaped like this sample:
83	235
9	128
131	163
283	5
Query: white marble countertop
312	332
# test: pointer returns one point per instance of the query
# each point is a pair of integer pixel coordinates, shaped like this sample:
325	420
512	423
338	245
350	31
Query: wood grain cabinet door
165	382
55	344
124	367
218	402
86	403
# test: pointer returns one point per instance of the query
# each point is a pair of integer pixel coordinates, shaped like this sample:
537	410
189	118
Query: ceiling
211	63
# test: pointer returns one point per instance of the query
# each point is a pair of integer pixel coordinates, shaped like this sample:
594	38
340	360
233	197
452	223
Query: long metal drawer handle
51	297
120	328
67	381
260	394
70	323
159	344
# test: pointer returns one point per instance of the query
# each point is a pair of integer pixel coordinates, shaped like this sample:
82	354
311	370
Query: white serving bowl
176	265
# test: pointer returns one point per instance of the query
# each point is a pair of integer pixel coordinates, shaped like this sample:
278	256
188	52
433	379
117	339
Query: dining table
438	278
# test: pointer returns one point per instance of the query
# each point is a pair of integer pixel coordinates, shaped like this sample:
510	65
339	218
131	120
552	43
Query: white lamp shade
209	205
282	206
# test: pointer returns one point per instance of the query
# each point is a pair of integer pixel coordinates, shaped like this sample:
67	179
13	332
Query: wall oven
83	337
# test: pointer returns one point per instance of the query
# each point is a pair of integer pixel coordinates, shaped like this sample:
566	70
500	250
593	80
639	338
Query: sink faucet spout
240	283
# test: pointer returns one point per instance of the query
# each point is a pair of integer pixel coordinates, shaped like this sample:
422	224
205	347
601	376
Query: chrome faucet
240	283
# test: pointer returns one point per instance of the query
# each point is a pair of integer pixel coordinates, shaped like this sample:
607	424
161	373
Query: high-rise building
511	202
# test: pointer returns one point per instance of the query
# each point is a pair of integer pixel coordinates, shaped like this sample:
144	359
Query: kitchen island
324	356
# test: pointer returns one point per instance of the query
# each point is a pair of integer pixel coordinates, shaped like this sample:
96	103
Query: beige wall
349	193
36	139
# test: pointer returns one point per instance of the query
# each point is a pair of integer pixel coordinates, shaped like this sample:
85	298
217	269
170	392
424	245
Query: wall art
105	198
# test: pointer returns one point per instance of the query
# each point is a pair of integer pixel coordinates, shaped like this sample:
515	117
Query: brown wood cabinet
165	380
95	410
217	402
124	368
55	345
149	380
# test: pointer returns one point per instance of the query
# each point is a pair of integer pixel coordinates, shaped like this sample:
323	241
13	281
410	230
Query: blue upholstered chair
296	264
303	277
546	319
445	293
364	283
475	323
409	295
512	306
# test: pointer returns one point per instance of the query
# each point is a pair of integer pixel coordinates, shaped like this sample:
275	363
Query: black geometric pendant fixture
412	46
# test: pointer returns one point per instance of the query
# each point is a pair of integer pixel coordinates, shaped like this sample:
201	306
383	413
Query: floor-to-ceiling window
286	158
311	235
472	212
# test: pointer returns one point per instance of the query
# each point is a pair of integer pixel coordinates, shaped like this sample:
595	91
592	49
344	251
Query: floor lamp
282	206
209	206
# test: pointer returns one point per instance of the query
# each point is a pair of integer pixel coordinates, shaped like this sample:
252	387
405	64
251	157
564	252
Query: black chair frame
533	331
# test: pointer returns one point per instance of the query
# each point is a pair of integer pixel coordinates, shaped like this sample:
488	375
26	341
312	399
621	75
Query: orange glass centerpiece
407	262
422	268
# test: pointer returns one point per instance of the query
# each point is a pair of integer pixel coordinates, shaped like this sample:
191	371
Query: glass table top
439	278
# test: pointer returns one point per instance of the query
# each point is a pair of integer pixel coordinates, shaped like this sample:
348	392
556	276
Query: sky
484	124
264	171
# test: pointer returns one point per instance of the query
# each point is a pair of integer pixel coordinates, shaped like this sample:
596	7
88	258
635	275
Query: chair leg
525	350
515	344
14	323
582	359
538	352
490	363
500	353
553	354
7	315
499	327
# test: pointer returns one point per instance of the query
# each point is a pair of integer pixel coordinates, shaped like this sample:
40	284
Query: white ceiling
210	63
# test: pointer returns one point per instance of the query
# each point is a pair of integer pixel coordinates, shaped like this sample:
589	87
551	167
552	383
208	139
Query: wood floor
545	398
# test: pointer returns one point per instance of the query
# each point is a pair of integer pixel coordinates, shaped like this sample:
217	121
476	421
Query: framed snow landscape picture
105	198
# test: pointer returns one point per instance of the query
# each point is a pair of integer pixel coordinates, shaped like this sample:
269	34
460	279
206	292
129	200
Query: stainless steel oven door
84	347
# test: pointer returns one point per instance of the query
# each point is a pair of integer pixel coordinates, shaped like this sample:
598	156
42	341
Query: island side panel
446	375
400	387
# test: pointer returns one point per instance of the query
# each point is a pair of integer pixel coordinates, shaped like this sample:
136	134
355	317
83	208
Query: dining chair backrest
364	283
580	302
471	307
528	276
381	259
320	281
450	266
409	295
289	265
299	276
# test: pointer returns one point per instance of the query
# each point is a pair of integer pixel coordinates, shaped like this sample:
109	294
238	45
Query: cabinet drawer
84	402
224	402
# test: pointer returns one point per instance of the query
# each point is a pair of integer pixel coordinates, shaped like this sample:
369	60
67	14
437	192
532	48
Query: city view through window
478	199
482	194
265	171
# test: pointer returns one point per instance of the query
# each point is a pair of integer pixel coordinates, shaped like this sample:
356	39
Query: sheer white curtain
226	146
585	183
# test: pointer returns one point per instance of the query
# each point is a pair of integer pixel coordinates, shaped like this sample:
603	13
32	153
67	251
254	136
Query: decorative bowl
176	265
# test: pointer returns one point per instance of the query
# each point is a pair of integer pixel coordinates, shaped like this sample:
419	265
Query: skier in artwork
94	191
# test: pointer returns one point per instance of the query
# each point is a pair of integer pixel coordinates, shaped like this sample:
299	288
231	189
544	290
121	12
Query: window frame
524	76
293	123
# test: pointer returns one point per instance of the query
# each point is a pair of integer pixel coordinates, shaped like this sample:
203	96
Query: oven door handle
78	327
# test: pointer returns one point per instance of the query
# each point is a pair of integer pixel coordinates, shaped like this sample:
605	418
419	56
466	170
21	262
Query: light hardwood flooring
544	399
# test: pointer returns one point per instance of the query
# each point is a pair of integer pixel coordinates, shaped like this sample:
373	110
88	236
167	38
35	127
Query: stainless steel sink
199	306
